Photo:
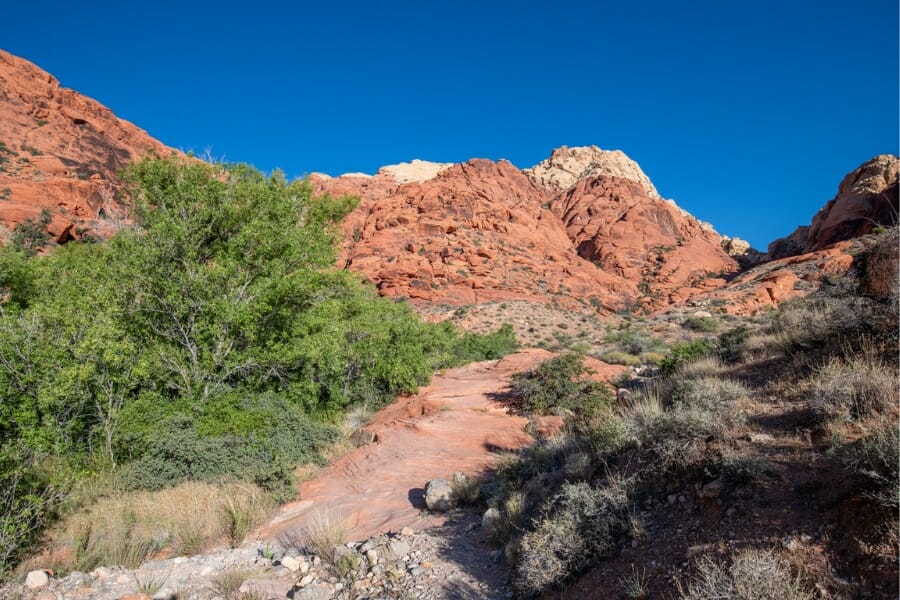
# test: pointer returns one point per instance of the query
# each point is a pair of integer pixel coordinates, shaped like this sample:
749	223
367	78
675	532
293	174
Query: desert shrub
676	441
702	324
714	394
27	503
31	235
708	365
577	526
558	386
466	489
652	358
730	344
877	458
682	353
751	575
607	435
634	340
617	357
474	347
742	469
808	323
852	389
324	530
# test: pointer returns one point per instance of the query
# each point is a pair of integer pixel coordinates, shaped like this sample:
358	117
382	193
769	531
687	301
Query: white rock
35	580
291	563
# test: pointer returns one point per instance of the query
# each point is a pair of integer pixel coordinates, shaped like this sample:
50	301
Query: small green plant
149	583
683	353
559	385
635	584
227	583
617	357
702	324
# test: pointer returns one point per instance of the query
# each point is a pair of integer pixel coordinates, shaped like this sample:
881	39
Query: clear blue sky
748	113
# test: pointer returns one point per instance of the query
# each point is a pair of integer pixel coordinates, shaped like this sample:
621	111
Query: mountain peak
566	166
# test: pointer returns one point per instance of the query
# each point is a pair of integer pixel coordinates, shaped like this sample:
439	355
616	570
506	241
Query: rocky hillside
867	198
583	228
60	152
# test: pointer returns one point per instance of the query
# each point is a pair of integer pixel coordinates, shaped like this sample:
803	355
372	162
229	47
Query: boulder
439	495
35	580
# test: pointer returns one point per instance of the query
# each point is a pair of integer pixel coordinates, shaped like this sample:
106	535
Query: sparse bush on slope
751	575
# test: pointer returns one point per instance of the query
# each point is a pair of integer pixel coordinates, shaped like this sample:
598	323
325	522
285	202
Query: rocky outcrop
615	224
867	198
476	232
567	166
61	152
482	231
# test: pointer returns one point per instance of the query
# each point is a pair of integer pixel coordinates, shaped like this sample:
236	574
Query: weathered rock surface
454	424
567	166
439	495
867	198
61	151
616	225
477	232
482	231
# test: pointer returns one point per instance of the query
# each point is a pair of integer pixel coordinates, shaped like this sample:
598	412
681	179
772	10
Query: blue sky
746	113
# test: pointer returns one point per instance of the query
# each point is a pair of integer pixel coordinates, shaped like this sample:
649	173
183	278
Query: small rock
314	592
305	581
490	519
416	571
672	498
426	565
291	563
713	489
372	557
730	512
439	495
623	396
406	531
35	580
398	549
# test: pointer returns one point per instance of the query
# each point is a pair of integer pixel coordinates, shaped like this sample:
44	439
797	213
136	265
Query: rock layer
60	152
567	166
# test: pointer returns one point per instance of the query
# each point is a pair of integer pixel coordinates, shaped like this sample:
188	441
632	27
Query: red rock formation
866	198
478	231
60	151
481	231
617	225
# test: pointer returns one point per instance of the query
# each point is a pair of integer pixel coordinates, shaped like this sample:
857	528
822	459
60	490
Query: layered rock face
483	231
60	152
477	231
614	223
866	198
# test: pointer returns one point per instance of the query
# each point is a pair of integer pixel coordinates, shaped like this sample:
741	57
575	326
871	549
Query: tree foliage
213	339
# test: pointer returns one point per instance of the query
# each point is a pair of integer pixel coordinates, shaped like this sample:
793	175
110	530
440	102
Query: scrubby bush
683	353
559	386
702	324
730	344
617	357
877	458
578	526
852	389
677	441
751	575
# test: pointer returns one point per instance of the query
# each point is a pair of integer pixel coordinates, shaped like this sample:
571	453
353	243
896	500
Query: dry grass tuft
853	389
127	528
324	530
752	575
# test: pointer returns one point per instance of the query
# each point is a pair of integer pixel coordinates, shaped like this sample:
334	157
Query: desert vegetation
212	343
804	397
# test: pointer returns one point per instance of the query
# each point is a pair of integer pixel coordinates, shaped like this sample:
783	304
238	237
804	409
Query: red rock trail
451	425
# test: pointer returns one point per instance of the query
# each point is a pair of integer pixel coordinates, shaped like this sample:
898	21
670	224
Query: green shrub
558	386
578	526
677	441
682	353
702	324
472	347
617	357
730	344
